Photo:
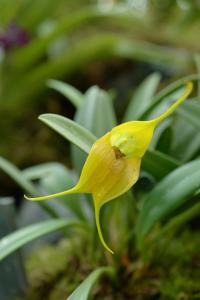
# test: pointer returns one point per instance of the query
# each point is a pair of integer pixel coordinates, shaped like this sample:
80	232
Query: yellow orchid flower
113	164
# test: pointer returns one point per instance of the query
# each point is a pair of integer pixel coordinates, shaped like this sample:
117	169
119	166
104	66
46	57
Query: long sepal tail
67	192
188	90
97	211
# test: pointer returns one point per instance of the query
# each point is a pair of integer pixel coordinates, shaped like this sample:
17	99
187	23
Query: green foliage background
118	61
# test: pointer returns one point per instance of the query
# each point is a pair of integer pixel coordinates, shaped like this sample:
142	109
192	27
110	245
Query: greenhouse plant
99	150
141	224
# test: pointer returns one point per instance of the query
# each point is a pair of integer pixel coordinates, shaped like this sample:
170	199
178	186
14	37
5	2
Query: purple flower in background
13	36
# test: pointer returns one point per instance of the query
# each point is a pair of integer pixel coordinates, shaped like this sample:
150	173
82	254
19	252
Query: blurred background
109	43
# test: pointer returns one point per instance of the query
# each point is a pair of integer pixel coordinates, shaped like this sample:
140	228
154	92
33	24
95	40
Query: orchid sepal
113	164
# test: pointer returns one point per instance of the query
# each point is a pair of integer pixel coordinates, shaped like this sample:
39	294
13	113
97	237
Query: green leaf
158	164
34	13
153	54
163	105
25	57
197	60
187	144
182	218
78	18
19	238
54	177
84	289
190	110
32	83
168	195
69	130
39	171
67	90
168	91
18	176
142	98
97	115
159	131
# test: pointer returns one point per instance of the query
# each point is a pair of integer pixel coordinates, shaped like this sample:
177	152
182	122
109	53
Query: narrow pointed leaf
19	238
190	110
67	90
54	177
183	218
158	133
168	195
97	115
18	176
142	98
97	112
169	90
197	60
85	288
159	164
69	130
187	144
39	171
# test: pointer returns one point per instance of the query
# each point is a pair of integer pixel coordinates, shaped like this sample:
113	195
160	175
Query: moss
55	271
182	265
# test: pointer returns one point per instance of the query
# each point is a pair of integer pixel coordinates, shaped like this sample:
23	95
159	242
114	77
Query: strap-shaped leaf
169	194
183	218
190	110
187	144
69	130
41	170
84	289
169	90
19	238
197	61
159	164
67	90
97	115
158	133
18	176
54	177
142	98
27	56
97	112
87	50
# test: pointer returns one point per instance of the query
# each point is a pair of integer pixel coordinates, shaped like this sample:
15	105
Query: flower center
123	144
118	153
